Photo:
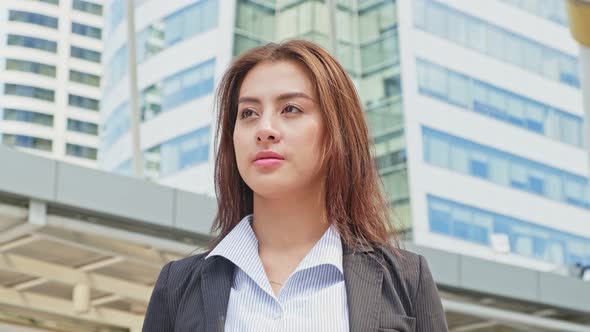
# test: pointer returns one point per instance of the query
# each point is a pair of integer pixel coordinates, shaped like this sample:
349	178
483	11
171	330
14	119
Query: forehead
269	79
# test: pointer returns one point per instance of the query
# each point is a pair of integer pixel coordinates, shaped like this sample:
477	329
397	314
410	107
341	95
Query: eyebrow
284	96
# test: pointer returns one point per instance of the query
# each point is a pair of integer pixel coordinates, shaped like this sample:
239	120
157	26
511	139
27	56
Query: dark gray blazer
394	292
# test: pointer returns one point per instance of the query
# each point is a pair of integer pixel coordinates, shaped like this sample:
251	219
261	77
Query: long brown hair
354	198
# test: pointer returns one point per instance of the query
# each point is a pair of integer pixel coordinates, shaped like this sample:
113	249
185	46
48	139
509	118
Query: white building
50	76
475	108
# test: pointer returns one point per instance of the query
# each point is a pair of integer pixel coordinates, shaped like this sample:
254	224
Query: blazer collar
363	277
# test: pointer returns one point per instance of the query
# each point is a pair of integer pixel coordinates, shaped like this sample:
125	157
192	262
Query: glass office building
50	73
474	108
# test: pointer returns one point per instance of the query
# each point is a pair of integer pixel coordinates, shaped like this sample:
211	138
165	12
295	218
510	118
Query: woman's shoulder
185	267
410	266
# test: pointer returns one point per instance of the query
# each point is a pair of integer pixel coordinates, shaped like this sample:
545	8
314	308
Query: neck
291	223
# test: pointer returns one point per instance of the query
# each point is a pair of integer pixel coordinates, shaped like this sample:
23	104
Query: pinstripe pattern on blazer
386	291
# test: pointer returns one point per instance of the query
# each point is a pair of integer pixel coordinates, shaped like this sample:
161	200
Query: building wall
494	129
35	75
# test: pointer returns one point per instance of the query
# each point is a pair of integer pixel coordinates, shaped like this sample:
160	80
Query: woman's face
279	130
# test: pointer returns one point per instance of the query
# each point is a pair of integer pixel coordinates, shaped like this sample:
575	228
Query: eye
291	109
246	113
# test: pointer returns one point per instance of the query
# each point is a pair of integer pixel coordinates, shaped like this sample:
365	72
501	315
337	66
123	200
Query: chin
271	189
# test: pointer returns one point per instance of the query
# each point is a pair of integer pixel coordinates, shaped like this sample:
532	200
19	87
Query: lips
268	155
268	159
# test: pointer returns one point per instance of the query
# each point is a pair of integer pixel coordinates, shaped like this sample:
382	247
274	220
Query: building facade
475	109
50	72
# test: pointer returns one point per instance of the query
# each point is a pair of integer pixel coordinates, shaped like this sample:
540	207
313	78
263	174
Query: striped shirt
312	299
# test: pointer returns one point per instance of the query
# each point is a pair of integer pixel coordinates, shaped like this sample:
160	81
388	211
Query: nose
267	131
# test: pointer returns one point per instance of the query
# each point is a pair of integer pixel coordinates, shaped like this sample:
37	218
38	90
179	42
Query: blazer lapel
216	287
363	277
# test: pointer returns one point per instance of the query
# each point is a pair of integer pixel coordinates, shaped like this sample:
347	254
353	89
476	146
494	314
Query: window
86	30
526	238
499	43
29	91
83	102
32	42
12	114
27	142
188	84
84	78
88	7
31	67
80	151
504	169
82	127
53	2
185	151
85	54
500	104
33	18
117	124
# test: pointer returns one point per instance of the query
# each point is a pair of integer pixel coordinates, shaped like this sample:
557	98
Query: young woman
304	231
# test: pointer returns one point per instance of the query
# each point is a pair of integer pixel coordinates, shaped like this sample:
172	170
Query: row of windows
88	7
27	142
174	155
33	18
163	96
51	46
47	145
85	54
504	169
12	114
83	102
496	42
32	42
81	151
553	10
181	25
525	238
29	91
486	99
84	78
19	115
83	127
53	2
86	30
30	67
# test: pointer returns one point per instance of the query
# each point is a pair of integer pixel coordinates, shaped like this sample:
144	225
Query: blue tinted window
174	90
496	42
27	142
85	54
12	114
553	10
503	105
88	7
117	124
507	169
174	155
86	30
525	238
33	18
176	27
30	66
82	127
81	151
188	84
29	91
116	13
83	102
32	42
